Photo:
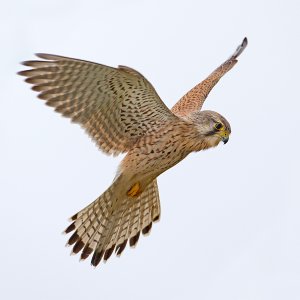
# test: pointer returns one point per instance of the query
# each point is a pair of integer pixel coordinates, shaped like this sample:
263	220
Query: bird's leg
135	190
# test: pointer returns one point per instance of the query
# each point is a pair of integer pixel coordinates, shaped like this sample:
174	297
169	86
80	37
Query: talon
134	190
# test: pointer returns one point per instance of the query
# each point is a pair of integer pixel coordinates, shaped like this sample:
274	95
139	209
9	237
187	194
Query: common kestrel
121	111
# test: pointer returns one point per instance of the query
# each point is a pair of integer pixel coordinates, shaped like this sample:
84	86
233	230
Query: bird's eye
218	126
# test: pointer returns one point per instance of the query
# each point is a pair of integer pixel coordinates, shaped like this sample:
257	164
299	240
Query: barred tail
108	223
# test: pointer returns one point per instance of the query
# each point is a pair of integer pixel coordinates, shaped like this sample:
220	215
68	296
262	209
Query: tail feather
104	226
138	219
135	220
123	231
90	223
96	226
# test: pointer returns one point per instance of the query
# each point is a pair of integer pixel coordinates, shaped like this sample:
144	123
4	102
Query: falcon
122	112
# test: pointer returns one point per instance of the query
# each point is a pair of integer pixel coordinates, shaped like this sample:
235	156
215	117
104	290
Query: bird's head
211	126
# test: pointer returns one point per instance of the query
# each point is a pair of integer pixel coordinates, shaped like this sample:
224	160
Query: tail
108	223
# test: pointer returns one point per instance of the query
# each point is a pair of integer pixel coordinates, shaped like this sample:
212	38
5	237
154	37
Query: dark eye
218	126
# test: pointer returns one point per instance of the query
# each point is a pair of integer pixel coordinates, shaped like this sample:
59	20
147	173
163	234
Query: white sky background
230	226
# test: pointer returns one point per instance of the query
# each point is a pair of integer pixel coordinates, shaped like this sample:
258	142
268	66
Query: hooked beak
225	139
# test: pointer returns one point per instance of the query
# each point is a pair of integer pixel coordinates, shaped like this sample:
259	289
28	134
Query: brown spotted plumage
122	112
194	99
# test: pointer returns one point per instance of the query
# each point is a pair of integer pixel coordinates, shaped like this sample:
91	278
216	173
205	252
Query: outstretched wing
194	99
114	106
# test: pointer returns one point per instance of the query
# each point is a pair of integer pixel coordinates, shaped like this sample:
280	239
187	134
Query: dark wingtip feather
133	241
26	63
156	219
28	80
23	73
43	96
240	48
147	229
109	252
78	246
120	248
51	57
74	217
44	56
34	80
32	63
86	252
73	238
70	228
37	88
97	258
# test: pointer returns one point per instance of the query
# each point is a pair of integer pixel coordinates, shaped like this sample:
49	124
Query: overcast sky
230	226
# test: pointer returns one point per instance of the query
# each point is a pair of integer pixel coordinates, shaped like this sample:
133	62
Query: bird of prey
121	111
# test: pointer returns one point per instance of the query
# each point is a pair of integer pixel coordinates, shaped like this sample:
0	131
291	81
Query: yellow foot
134	190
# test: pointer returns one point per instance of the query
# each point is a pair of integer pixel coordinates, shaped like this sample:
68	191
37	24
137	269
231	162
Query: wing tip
97	256
134	239
45	56
120	248
146	230
240	48
22	73
87	250
27	63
